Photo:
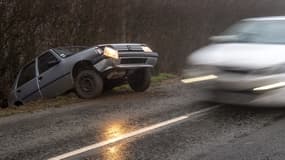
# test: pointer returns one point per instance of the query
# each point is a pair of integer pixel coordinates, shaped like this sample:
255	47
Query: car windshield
65	52
250	31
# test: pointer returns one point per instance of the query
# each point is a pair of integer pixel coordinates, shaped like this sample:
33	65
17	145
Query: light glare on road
115	130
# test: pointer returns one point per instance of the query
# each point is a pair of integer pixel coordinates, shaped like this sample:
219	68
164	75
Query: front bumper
239	90
269	99
128	61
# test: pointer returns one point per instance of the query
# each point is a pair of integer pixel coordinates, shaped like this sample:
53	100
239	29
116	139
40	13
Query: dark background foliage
174	28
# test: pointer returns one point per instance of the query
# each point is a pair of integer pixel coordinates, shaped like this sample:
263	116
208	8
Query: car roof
272	18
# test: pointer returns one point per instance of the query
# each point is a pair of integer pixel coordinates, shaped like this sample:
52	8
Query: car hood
242	55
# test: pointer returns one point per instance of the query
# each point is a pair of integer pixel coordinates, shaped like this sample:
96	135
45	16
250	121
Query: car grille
225	91
133	61
235	70
129	48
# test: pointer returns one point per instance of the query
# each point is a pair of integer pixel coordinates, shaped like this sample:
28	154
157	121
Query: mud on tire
88	84
140	80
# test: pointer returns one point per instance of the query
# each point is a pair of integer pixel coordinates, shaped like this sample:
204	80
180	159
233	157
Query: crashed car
246	63
87	71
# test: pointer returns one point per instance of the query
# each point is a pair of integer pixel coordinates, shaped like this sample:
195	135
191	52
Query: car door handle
19	91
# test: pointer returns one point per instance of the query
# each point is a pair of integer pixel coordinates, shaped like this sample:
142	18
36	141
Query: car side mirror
53	63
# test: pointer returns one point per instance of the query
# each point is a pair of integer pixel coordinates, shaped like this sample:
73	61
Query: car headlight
110	52
146	49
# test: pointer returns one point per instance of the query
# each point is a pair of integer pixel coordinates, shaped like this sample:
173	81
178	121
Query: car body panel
29	91
251	56
58	77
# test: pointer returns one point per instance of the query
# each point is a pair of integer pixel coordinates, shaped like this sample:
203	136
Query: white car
246	62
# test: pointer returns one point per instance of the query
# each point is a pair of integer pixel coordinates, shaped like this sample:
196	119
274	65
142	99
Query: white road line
132	134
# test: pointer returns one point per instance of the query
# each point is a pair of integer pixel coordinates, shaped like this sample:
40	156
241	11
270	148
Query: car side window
46	61
27	74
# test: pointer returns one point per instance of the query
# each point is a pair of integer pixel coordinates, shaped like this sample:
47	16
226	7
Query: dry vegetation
40	105
173	28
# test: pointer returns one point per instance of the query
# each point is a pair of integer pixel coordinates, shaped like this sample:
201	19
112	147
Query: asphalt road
226	132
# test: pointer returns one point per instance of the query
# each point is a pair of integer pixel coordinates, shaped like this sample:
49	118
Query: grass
69	99
40	105
162	77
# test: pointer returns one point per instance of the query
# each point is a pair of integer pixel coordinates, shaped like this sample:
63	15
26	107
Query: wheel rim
86	83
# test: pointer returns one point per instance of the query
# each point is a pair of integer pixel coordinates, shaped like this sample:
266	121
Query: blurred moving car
246	63
86	70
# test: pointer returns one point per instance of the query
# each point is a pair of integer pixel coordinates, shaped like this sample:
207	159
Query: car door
54	79
27	85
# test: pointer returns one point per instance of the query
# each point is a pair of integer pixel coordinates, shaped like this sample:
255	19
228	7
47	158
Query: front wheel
88	84
140	80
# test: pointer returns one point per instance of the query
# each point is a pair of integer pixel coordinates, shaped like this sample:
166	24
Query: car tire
110	84
88	84
140	80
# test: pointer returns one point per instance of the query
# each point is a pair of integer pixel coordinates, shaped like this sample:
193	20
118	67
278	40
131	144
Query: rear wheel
88	84
140	80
